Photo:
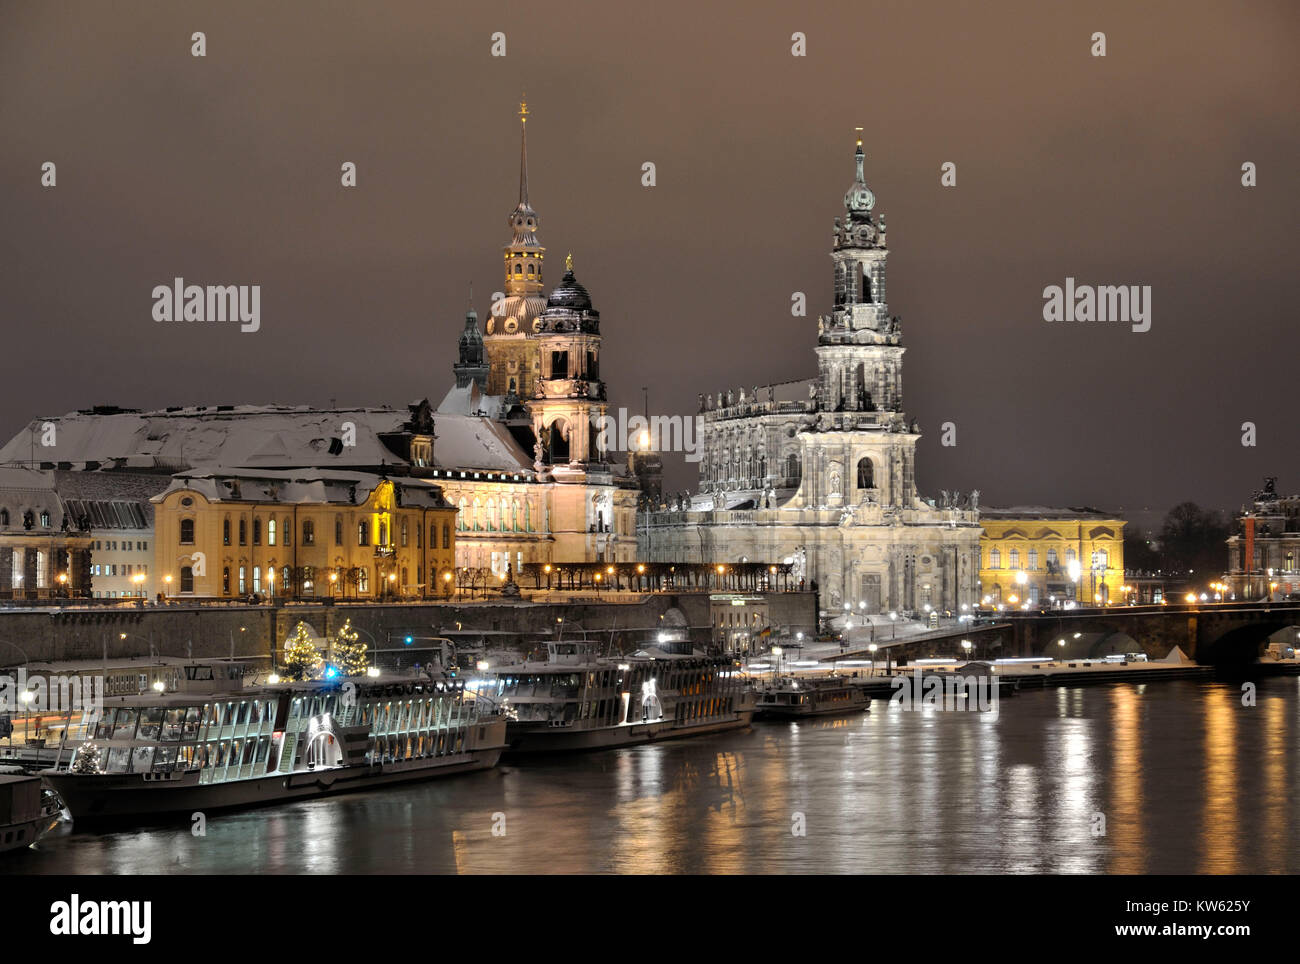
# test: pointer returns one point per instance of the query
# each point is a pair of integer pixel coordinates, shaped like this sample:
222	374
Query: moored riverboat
216	745
797	697
576	700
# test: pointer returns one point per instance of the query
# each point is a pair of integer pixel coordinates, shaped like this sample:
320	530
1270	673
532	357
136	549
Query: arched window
383	534
995	558
257	532
1069	556
866	285
363	581
404	536
187	532
243	532
257	579
187	579
270	532
1013	559
519	269
363	533
462	515
866	474
284	579
1101	559
225	531
492	515
308	532
1033	558
478	516
287	531
793	468
4	517
446	536
225	581
45	520
338	530
1051	559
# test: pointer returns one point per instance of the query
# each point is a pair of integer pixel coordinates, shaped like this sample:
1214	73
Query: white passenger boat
234	747
809	696
579	701
27	810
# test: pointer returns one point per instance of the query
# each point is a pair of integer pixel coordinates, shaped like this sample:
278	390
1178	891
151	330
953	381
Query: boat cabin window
198	672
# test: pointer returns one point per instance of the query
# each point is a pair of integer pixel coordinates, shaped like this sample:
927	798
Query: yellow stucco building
1045	558
234	534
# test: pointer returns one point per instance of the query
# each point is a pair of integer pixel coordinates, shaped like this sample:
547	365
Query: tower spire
523	152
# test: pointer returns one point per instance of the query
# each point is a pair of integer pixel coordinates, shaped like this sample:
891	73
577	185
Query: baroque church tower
512	356
569	400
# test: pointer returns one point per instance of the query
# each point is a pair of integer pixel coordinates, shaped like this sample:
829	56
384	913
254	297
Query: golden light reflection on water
1219	833
1124	816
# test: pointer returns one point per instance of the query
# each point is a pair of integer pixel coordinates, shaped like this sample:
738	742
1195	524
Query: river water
1181	777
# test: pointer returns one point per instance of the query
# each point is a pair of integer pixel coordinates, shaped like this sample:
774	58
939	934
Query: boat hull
799	712
524	739
24	833
117	798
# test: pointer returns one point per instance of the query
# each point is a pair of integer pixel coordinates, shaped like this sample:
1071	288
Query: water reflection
1187	779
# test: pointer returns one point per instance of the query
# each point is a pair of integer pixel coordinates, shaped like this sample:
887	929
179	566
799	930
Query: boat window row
171	724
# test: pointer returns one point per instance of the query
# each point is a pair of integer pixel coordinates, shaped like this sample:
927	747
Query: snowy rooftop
261	437
1043	512
302	487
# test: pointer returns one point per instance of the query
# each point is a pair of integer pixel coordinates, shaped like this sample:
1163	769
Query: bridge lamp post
872	650
893	626
1074	571
966	645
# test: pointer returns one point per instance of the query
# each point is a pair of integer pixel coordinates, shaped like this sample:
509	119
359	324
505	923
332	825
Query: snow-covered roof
300	487
470	400
270	437
1043	512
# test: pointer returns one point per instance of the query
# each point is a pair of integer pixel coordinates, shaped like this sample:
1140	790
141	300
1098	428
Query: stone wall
59	635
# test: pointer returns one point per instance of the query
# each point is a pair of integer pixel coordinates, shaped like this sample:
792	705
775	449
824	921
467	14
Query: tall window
257	579
16	576
187	579
225	531
225	581
446	536
1013	558
40	569
308	533
270	532
1033	558
1051	558
243	532
403	535
243	580
995	559
866	475
338	530
462	517
363	533
257	532
187	532
363	581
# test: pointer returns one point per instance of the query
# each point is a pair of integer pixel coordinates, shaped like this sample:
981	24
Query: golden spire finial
859	130
523	109
568	261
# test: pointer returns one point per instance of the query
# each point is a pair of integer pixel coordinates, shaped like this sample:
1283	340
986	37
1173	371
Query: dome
569	293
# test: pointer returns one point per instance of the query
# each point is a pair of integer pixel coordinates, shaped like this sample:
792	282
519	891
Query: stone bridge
1211	633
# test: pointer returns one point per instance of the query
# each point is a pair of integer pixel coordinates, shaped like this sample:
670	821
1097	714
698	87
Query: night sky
1117	170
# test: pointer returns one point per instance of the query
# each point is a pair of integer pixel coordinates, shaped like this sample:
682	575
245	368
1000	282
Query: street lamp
872	649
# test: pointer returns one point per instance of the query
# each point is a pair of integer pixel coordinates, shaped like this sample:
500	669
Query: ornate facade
822	471
1043	557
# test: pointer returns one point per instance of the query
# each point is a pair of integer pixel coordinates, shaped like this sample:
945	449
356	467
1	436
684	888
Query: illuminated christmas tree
349	652
301	658
88	759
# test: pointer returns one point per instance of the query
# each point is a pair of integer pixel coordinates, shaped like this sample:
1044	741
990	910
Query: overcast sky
1123	169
